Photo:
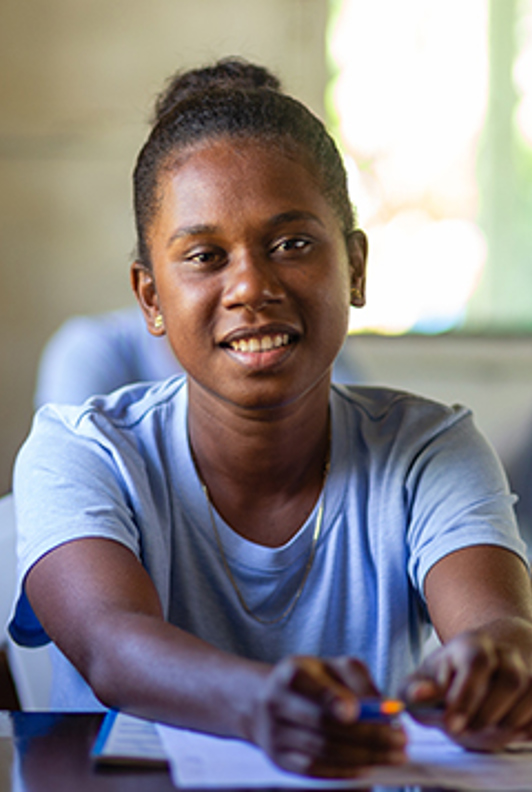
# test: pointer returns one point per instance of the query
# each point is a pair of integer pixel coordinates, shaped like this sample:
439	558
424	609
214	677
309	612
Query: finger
375	745
487	740
429	684
354	675
295	762
507	685
474	661
519	718
314	680
377	733
458	675
421	690
319	768
297	709
367	740
303	713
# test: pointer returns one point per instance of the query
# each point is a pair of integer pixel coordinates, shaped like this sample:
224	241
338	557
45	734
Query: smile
263	344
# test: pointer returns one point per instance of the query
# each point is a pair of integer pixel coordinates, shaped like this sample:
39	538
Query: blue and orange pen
380	709
387	709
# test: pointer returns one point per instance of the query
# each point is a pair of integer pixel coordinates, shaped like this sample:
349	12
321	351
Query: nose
251	282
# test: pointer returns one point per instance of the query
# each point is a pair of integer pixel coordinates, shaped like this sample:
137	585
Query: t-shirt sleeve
457	496
67	485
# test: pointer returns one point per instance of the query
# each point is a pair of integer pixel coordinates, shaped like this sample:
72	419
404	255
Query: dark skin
246	248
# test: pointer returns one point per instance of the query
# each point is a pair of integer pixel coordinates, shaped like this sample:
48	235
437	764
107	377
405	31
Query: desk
41	752
49	752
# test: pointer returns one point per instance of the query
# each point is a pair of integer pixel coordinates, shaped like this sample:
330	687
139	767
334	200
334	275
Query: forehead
236	177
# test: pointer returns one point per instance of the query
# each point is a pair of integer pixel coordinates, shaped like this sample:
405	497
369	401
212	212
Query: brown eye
206	258
292	245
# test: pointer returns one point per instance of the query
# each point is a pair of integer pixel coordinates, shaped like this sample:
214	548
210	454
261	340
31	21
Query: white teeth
262	344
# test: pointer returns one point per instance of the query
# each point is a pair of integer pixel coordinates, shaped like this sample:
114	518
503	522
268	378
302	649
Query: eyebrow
292	216
194	230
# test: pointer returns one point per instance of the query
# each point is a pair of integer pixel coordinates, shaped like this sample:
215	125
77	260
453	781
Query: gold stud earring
356	294
158	322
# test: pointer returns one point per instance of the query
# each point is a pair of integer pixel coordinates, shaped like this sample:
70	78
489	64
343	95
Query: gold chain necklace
315	536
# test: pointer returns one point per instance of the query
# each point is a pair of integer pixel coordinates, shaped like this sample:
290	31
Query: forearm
99	605
481	587
158	671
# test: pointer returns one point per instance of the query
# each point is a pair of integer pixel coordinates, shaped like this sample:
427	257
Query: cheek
188	315
336	302
337	289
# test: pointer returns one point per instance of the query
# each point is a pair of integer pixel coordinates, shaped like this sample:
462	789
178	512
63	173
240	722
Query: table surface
50	752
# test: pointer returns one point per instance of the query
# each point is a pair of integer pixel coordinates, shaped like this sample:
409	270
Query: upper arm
475	586
82	588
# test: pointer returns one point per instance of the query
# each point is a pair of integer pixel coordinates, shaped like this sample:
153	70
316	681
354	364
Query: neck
264	470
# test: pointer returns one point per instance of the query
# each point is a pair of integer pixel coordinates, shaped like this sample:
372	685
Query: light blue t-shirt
410	481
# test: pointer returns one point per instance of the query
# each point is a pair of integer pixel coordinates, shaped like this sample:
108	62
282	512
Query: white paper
202	761
129	740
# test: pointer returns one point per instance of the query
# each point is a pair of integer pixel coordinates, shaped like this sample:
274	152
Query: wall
78	81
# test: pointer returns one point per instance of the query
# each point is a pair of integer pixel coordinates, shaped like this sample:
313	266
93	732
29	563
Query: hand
306	719
484	688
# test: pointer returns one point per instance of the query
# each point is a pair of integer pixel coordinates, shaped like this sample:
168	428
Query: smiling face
251	273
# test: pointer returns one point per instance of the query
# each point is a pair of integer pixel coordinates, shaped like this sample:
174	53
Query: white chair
30	668
8	562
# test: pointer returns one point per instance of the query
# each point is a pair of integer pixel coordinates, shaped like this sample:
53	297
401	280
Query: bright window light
410	99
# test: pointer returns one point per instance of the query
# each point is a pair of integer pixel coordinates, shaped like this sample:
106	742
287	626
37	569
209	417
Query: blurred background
431	102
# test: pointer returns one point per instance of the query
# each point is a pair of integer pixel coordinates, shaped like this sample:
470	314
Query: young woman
249	550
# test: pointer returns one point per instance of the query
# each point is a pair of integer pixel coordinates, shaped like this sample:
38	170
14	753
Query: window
432	104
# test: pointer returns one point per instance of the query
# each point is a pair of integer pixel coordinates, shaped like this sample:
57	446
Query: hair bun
225	74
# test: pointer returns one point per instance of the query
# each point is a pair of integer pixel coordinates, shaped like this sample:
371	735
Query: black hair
233	98
227	73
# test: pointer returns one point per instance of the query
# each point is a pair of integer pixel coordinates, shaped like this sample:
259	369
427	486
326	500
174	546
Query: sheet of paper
126	740
203	761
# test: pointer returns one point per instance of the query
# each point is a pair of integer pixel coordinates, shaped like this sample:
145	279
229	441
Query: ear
143	285
357	248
